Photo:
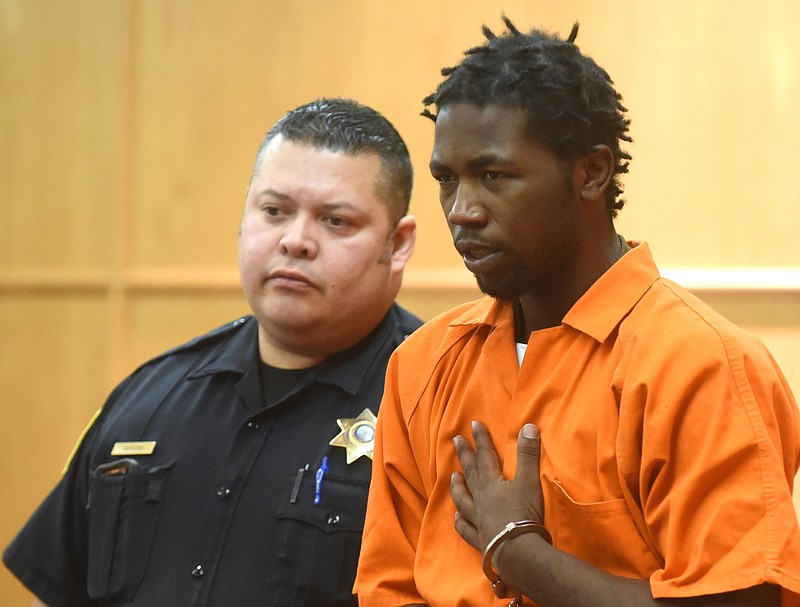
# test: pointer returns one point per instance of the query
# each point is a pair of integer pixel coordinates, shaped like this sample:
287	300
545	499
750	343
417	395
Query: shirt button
253	425
198	571
333	518
223	492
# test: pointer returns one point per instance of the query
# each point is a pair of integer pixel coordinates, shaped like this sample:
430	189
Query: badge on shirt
357	435
142	447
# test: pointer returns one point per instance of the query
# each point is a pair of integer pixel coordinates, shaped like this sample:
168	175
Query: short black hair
570	101
349	127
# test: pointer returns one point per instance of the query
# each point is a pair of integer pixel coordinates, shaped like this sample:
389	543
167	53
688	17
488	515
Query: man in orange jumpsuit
631	446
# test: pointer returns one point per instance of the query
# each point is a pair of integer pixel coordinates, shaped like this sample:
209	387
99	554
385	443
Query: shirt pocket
123	511
315	548
602	533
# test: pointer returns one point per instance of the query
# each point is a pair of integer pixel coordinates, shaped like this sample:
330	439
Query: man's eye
272	211
491	175
444	178
336	221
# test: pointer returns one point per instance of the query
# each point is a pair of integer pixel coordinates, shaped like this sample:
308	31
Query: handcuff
510	531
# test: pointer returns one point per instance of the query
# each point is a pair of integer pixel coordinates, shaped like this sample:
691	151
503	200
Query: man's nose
299	239
467	209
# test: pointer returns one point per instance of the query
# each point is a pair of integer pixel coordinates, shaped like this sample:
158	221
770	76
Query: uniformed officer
233	470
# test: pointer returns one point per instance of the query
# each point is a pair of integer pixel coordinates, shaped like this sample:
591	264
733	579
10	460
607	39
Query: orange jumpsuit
670	441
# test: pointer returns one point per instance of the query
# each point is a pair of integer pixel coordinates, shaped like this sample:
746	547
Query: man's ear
403	239
596	172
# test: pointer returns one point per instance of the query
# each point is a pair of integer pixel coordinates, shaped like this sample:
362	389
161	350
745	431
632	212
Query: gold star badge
357	435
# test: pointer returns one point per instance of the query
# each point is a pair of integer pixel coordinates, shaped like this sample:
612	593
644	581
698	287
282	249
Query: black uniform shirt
222	512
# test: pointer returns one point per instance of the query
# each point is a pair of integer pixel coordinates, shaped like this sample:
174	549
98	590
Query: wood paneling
62	87
128	131
162	320
52	379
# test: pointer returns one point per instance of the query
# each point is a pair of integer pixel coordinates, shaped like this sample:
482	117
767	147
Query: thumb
528	449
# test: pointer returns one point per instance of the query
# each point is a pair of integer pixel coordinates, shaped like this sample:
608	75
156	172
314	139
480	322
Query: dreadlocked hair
570	101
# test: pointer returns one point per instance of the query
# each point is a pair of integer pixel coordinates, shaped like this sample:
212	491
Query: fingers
528	450
466	456
484	499
485	454
461	495
467	531
459	490
484	458
464	510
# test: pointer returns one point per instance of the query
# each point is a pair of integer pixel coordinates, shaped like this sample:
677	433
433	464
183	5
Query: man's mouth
478	258
285	277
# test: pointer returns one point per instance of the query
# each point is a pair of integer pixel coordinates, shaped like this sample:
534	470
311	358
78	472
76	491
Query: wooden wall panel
710	87
128	131
160	320
61	83
52	379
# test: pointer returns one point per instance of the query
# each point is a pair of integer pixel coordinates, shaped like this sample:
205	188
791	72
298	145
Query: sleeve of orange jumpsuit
716	487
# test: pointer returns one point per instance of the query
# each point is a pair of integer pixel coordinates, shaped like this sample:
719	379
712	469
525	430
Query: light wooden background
128	129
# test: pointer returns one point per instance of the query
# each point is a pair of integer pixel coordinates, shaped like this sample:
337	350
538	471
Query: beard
518	282
539	270
538	278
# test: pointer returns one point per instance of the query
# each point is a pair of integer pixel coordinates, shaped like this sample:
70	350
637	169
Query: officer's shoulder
405	321
206	341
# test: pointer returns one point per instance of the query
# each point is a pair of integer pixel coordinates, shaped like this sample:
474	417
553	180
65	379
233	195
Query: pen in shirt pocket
323	468
297	481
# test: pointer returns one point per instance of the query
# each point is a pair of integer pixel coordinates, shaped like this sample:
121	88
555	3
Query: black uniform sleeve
49	554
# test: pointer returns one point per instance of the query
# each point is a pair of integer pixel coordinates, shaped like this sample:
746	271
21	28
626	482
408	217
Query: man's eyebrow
343	205
487	159
325	207
476	163
274	194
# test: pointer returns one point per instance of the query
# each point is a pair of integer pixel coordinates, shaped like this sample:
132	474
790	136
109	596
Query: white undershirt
521	352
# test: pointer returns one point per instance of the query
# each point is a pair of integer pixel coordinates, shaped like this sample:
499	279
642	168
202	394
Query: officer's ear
403	239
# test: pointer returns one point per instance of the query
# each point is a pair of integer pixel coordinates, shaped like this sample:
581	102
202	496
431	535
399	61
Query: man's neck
533	312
